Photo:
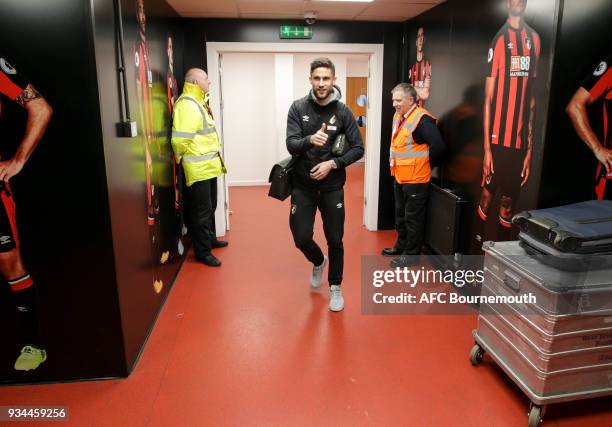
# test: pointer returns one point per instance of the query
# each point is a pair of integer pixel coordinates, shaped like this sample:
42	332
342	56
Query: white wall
283	79
357	65
249	125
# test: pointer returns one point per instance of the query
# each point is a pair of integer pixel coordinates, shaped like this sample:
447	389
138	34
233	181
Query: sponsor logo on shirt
490	57
305	118
519	66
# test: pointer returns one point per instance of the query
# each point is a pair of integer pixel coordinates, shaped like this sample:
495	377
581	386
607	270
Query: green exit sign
289	32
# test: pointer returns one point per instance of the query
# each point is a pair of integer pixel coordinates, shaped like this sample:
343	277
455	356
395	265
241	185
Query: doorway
233	79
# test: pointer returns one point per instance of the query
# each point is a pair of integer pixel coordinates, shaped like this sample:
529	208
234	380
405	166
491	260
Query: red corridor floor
249	344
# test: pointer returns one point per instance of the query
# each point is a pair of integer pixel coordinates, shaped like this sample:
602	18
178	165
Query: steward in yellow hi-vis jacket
415	142
196	145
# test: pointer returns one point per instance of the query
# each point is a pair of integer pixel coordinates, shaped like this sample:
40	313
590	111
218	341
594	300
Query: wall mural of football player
597	85
144	85
420	71
22	289
177	170
509	112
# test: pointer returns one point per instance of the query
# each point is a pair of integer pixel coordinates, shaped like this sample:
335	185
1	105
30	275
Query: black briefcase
575	237
581	228
280	179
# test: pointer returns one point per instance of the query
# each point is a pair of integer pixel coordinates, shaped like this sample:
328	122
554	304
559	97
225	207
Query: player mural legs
505	218
481	220
23	296
153	222
22	290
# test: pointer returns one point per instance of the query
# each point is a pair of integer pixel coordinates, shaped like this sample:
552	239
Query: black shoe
402	261
391	251
210	260
216	243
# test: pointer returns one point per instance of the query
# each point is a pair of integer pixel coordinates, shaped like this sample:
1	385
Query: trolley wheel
535	416
476	354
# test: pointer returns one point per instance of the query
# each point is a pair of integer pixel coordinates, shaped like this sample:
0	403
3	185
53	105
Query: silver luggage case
542	386
527	345
556	291
558	349
549	322
529	325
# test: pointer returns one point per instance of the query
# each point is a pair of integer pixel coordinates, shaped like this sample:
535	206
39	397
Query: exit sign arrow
295	32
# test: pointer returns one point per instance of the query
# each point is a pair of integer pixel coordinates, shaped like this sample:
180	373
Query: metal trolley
557	350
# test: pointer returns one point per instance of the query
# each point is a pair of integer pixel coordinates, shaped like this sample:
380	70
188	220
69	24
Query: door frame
373	130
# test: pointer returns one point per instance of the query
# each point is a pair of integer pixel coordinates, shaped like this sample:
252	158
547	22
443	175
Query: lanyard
401	123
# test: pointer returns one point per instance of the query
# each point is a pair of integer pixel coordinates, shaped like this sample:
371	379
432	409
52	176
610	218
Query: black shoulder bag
280	178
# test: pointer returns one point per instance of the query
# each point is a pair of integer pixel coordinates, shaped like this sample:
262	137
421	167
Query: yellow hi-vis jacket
194	138
409	162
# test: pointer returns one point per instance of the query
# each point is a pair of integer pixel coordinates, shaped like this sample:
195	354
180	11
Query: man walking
313	124
196	145
415	139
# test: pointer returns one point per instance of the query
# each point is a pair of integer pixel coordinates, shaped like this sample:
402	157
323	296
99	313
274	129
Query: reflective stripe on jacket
409	162
195	141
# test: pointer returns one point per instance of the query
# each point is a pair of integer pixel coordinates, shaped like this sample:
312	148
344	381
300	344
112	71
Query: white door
259	145
249	133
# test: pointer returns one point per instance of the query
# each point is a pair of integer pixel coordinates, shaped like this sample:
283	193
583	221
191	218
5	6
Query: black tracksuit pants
304	206
202	205
410	209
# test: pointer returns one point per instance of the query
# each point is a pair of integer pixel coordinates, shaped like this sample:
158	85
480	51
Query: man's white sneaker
336	300
316	278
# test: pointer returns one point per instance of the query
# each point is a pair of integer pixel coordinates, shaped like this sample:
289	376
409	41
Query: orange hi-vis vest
409	161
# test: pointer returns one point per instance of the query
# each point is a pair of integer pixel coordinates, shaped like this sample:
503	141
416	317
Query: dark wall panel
583	42
145	234
61	198
391	76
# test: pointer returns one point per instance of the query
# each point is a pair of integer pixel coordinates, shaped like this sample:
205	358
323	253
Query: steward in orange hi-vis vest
409	161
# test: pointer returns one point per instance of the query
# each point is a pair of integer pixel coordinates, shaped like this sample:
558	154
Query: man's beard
323	97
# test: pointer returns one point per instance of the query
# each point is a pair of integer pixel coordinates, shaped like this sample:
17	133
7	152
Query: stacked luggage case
557	348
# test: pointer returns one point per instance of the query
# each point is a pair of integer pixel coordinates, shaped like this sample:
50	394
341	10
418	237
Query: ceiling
378	10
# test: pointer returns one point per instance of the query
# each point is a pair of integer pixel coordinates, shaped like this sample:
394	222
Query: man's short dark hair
406	88
322	63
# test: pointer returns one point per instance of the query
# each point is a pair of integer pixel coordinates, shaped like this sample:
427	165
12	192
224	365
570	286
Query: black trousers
304	206
202	205
410	209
